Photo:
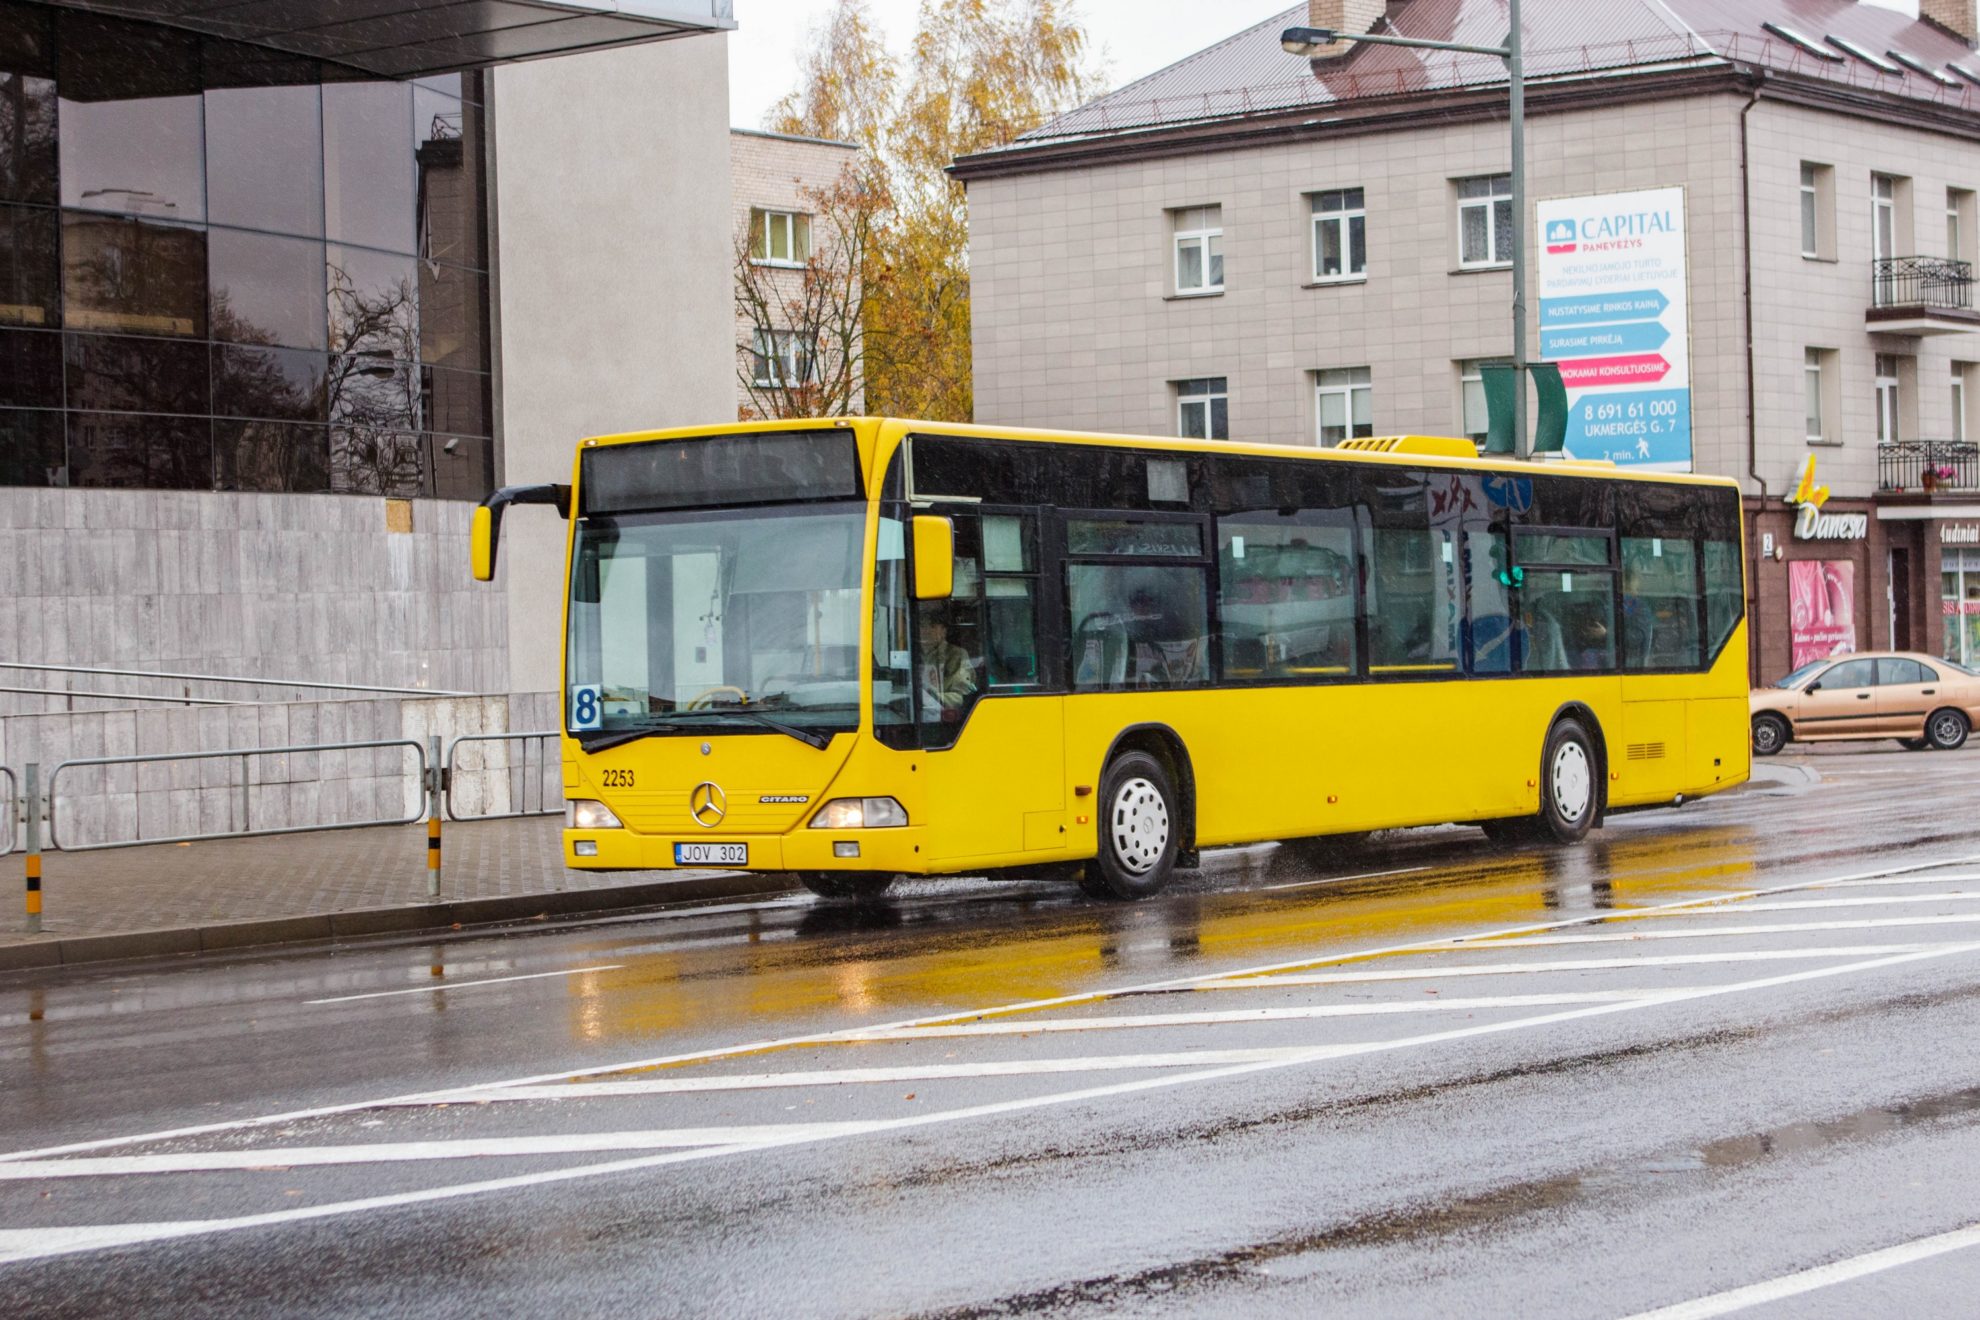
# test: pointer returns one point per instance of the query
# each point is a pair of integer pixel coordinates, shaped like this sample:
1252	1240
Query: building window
1887	398
784	358
779	238
1203	408
1344	402
1883	217
1959	224
1471	400
1819	392
1959	370
1485	221
1818	211
1199	249
1340	236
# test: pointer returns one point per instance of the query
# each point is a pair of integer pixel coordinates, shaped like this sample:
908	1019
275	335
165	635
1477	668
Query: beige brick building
1285	248
785	332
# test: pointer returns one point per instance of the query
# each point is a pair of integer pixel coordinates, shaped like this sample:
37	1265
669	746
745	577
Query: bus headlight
585	814
876	813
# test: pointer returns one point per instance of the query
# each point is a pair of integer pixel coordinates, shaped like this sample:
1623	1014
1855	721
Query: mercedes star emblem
708	804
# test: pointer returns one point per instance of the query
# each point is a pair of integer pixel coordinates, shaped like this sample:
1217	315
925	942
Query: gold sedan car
1922	701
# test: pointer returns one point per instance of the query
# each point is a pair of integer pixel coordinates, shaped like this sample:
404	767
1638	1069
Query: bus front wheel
1138	830
861	887
1570	783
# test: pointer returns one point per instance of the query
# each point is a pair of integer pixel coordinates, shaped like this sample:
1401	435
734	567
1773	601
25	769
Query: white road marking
1272	981
438	986
1303	1012
1822	1276
394	1152
1721	932
1343	879
1022	1006
1810	904
39	1243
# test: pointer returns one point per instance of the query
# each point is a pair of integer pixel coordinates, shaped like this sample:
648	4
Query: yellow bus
856	649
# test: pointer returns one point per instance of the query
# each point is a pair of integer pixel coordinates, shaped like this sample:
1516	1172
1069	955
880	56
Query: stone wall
170	799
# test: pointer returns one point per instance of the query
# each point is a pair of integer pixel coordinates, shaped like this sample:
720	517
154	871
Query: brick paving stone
165	886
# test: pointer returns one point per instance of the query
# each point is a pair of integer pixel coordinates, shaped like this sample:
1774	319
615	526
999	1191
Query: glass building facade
225	268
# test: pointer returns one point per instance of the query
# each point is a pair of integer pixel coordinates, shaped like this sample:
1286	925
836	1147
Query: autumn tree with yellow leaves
979	74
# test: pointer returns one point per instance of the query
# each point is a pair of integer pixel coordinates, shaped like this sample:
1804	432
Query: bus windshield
742	620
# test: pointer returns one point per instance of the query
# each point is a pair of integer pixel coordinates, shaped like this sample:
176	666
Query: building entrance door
1900	587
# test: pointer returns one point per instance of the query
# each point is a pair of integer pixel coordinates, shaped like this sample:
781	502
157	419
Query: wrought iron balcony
1923	466
1921	296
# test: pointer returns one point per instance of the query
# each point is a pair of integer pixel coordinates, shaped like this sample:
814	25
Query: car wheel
1770	734
1946	729
1915	744
1139	828
858	886
1570	783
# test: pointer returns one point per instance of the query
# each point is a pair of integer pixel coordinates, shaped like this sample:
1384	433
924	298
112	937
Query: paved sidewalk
236	892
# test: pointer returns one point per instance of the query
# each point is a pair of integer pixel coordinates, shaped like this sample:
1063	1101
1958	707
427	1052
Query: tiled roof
1249	74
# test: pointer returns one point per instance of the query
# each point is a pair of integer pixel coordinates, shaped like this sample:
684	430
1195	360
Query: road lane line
1574	965
1721	932
1822	1276
438	986
1023	1006
39	1243
1810	904
1341	879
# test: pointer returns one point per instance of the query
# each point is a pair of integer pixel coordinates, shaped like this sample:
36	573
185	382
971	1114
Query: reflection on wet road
1729	1039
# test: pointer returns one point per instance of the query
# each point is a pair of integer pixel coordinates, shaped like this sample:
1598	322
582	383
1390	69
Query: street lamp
1308	42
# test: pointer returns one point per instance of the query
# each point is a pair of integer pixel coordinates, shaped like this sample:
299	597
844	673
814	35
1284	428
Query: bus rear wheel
1570	783
1138	830
858	886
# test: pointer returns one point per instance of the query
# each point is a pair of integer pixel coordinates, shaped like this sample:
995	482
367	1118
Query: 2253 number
618	779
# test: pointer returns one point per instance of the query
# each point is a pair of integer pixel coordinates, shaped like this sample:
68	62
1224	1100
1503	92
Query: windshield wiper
805	736
609	738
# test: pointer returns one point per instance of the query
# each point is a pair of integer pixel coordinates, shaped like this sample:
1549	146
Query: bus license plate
711	854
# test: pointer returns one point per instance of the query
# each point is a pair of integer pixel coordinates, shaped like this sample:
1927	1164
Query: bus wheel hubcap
1572	782
1140	826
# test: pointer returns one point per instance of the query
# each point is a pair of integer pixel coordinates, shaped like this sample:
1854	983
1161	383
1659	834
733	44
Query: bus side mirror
481	544
934	558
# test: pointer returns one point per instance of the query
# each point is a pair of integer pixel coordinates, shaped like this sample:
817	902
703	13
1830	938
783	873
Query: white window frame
1206	401
1342	221
770	217
1811	209
780	361
1361	383
1209	241
1959	370
1489	204
1471	384
1814	400
1889	400
1883	217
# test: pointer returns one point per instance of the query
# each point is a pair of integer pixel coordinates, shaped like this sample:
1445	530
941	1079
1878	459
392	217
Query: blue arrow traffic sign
1596	308
1601	340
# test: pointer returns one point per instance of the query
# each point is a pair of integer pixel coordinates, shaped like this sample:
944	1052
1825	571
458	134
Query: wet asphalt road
1706	1051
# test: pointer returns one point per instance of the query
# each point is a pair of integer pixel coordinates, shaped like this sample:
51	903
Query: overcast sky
1136	37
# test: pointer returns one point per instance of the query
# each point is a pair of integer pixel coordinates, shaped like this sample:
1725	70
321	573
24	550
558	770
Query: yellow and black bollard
31	823
435	793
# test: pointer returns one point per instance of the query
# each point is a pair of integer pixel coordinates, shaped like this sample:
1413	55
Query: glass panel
266	290
1220	418
1095	536
1477	421
1357	244
286	383
1006	544
27	139
451	316
1502	231
456	402
461	467
131	138
142	453
1848	675
1660	603
1194	419
133	276
264	158
376	461
31	449
1330	247
30	269
115	374
272	456
1138	625
1413	610
1216	244
447	144
1189	264
374	303
1569	548
30	369
1013	623
367	180
1725	593
1333	410
1286	603
1896	672
1567	617
1487	576
893	657
373	393
1475	247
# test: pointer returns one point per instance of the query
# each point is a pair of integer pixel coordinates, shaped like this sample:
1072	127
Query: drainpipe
1752	415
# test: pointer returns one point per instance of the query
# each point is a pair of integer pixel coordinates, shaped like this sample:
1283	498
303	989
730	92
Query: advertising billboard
1822	608
1614	315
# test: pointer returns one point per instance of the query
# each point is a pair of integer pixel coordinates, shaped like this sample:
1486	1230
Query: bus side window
1493	639
1285	605
1010	598
1660	602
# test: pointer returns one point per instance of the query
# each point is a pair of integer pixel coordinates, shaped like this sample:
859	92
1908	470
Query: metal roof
410	38
1249	74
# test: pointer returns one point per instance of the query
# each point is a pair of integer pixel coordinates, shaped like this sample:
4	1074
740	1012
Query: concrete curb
405	919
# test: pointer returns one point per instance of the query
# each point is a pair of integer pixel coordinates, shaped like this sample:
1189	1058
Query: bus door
991	728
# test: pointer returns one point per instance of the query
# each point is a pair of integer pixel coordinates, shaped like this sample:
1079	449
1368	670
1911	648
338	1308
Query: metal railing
10	800
307	684
1925	465
1934	283
549	793
244	789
